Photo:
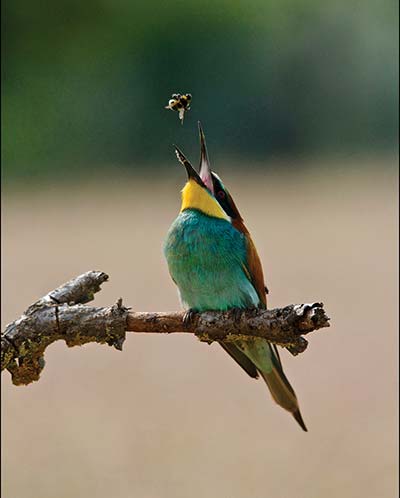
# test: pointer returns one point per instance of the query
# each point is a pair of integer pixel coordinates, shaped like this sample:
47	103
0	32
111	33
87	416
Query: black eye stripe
223	198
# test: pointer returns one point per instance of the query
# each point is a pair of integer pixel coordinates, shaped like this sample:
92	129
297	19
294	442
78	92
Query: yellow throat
196	197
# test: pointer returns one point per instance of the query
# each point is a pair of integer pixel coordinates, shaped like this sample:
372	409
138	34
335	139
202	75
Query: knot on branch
116	325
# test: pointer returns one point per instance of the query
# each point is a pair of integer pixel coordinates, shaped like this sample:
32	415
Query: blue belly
206	258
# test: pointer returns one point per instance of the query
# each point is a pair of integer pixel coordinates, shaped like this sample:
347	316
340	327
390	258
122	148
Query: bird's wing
256	276
253	266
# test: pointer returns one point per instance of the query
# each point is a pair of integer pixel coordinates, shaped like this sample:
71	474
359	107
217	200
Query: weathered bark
62	315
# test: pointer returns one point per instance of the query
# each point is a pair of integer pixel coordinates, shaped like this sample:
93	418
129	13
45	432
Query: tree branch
61	314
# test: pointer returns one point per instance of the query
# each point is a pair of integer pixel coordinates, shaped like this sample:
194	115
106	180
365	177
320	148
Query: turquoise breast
206	258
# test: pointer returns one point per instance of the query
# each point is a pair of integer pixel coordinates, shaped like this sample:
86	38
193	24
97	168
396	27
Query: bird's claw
236	314
188	317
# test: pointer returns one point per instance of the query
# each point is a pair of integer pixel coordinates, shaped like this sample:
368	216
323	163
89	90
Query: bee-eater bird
213	261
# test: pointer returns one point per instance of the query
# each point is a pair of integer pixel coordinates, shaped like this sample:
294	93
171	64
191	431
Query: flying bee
180	103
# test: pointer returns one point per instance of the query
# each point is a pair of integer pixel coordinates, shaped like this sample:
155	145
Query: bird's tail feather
265	361
281	390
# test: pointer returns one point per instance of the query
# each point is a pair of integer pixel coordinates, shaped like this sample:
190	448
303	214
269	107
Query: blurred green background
299	103
85	83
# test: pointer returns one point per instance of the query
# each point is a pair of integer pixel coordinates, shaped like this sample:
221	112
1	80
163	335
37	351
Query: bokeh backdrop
85	83
299	102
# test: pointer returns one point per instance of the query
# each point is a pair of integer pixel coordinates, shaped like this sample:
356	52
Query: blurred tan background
171	417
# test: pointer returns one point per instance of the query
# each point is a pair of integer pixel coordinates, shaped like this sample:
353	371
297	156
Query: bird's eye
221	194
171	102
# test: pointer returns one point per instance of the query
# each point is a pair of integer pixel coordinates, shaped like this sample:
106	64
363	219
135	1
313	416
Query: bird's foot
236	314
188	317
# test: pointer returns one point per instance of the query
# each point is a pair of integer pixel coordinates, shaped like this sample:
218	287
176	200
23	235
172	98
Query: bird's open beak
205	170
191	172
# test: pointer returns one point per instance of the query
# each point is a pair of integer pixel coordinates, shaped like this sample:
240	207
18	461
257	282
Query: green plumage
206	258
